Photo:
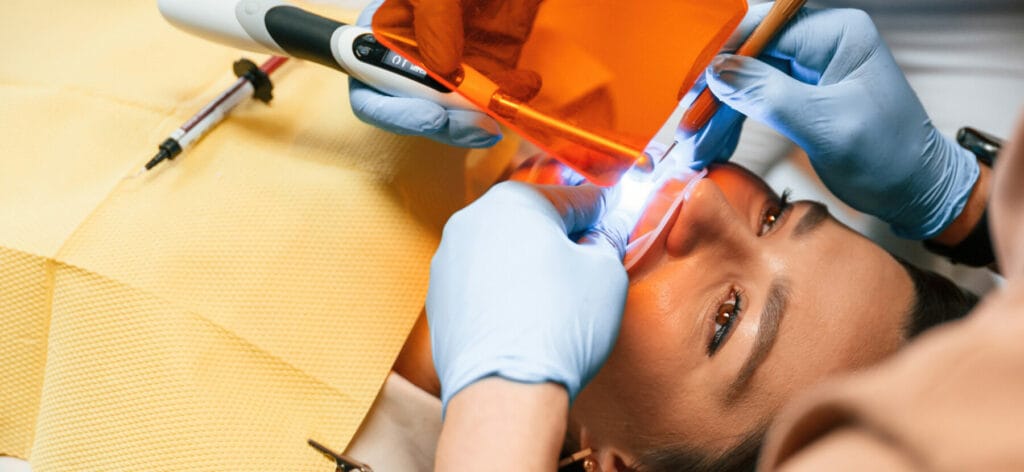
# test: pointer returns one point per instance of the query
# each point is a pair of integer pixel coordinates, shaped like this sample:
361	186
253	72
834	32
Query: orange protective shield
610	72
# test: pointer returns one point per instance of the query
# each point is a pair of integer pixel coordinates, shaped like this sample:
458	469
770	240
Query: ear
609	458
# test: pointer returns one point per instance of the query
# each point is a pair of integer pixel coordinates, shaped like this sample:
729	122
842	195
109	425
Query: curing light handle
267	26
276	27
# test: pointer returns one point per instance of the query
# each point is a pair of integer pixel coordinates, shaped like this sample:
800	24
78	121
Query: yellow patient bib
219	311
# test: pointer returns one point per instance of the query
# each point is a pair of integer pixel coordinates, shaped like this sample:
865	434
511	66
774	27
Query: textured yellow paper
219	311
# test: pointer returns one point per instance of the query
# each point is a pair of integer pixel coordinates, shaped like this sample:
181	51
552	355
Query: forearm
957	231
497	424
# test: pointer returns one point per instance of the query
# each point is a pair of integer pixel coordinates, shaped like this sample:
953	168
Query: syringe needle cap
160	156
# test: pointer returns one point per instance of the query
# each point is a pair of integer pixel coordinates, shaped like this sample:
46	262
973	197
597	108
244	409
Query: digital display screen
394	61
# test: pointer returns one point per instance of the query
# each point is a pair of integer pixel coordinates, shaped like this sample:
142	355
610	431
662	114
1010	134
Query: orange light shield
610	72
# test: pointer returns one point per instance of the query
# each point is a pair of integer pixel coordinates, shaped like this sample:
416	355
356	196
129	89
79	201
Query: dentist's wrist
498	424
967	241
941	181
972	213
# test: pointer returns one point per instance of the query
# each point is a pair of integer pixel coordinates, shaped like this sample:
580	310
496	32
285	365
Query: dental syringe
252	82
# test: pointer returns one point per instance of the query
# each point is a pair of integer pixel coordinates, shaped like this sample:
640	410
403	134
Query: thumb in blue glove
513	295
419	117
830	84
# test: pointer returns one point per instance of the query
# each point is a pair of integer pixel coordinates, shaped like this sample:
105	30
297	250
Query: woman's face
738	306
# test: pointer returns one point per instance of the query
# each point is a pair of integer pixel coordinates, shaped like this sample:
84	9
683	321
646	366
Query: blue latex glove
418	117
830	84
511	295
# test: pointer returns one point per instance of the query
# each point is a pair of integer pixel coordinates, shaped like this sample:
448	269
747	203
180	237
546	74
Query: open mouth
660	209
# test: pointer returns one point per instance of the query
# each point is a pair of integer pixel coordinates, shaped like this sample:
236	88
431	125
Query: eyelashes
728	311
725	317
773	213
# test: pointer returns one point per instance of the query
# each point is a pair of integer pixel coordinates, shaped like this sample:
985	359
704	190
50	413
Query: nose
708	224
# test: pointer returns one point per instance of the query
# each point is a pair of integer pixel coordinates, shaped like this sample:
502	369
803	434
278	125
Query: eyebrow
815	215
771	316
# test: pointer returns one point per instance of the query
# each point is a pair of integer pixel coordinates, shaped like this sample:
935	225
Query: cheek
648	359
619	406
649	336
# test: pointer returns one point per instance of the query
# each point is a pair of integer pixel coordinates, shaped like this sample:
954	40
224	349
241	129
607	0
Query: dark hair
936	301
739	458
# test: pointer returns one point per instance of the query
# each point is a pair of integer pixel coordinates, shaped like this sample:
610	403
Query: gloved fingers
825	46
497	29
717	140
611	234
396	114
729	144
394	16
579	208
440	34
440	26
469	129
518	83
768	95
435	25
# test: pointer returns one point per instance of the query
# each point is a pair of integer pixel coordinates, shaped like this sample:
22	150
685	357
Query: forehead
849	299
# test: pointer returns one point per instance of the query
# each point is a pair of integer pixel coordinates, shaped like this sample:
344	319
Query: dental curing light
276	27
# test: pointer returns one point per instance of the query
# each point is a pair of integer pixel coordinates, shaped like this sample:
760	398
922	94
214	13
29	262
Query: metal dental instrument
344	464
252	82
276	27
706	104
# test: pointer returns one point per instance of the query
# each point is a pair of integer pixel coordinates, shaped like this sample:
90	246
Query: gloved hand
512	295
830	84
440	28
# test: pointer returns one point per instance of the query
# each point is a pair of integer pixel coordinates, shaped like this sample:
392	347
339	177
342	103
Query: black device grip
302	34
983	145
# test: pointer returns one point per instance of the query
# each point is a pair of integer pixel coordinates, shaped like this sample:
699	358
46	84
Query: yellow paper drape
219	311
